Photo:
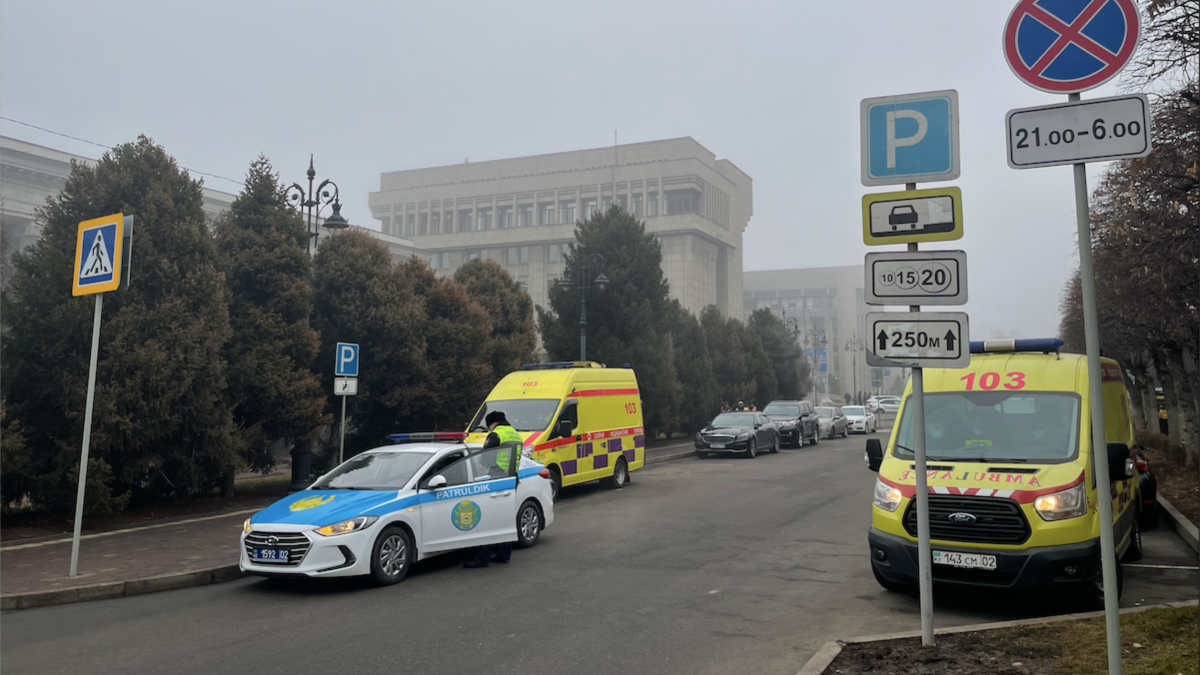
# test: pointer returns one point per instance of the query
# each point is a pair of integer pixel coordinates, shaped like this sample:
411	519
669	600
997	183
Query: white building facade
828	302
522	213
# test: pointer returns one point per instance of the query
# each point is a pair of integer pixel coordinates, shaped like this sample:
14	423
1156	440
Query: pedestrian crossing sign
98	255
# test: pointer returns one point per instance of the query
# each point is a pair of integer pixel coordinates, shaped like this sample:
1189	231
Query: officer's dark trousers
502	552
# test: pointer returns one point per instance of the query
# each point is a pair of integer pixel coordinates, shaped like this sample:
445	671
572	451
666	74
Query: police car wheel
529	525
620	476
391	556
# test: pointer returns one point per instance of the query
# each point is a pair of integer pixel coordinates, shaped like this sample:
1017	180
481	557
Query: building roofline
553	154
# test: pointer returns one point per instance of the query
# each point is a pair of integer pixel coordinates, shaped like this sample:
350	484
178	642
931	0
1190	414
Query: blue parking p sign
910	139
346	360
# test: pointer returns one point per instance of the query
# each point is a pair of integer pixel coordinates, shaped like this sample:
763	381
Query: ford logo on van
961	518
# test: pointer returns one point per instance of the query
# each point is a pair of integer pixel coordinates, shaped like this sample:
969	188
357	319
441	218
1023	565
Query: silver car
832	422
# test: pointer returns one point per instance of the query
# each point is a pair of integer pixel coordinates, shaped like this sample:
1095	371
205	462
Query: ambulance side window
570	411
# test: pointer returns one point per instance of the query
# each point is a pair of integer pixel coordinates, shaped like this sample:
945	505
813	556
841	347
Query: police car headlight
1069	503
246	526
886	496
352	525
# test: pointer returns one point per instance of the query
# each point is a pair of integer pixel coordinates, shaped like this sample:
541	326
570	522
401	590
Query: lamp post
580	278
311	202
855	345
816	337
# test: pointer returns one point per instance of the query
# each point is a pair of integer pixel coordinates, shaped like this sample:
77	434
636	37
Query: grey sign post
344	387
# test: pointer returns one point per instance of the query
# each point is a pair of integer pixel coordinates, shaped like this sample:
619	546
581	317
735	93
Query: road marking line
1162	567
96	535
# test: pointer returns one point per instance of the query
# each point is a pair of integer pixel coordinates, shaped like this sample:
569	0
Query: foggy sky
382	86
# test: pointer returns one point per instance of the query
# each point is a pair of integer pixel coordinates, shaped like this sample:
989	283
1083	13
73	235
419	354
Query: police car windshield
374	471
524	414
733	420
782	410
1040	427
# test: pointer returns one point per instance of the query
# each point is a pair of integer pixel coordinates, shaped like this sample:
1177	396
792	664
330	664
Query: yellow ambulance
1012	489
579	418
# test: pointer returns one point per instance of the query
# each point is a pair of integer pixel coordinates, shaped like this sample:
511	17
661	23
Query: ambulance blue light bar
552	365
1044	345
456	436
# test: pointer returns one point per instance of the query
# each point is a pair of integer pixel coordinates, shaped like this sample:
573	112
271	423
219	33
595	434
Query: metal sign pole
924	553
87	434
1091	332
342	442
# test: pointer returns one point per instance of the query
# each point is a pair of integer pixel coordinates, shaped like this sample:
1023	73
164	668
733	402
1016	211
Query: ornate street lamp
311	202
580	278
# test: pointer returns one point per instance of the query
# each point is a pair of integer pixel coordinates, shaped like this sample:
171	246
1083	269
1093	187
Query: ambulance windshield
523	414
1039	427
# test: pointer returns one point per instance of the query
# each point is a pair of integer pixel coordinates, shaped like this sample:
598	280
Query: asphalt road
699	566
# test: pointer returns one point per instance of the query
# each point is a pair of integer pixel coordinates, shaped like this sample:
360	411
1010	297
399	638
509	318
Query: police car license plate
269	555
717	446
977	561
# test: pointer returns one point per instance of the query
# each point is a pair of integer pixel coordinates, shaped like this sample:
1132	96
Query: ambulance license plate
717	446
279	555
976	561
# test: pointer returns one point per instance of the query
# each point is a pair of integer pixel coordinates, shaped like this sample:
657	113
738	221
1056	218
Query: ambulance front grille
997	520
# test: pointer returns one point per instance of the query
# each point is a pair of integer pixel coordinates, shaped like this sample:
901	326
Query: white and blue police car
379	512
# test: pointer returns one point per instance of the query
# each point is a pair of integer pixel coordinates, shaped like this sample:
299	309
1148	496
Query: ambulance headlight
886	496
1069	503
346	526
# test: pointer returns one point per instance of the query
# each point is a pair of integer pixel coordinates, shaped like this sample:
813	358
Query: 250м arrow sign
917	338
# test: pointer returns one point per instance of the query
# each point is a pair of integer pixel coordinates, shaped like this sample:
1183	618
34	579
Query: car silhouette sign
912	216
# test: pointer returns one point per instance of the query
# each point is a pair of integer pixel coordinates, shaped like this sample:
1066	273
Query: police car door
477	506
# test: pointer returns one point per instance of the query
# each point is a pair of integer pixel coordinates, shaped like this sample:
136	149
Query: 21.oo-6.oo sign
918	339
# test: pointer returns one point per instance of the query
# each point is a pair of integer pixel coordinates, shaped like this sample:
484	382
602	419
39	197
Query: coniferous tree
626	319
514	335
783	353
161	424
262	244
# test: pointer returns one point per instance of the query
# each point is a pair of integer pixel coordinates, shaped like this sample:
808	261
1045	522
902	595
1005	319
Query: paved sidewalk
169	547
174	546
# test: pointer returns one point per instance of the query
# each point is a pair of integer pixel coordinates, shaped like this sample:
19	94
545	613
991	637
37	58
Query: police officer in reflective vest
502	436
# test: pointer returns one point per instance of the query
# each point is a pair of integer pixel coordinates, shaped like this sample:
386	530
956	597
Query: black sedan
740	433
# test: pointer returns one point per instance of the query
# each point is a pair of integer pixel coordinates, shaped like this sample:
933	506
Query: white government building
521	212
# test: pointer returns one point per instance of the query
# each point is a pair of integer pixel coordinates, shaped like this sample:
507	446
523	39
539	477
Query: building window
623	200
423	228
483	219
525	215
412	225
547	213
524	255
683	201
449	222
435	260
589	207
464	220
435	223
504	217
473	255
512	256
566	212
637	205
651	205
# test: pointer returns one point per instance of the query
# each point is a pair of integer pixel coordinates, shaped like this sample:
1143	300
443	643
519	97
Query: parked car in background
859	419
797	421
888	404
832	422
1148	489
743	433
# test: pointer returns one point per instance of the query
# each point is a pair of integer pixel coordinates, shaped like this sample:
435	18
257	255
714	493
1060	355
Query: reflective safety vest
509	438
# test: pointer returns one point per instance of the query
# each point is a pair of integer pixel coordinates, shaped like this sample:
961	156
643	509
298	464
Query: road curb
120	589
830	650
1180	524
682	454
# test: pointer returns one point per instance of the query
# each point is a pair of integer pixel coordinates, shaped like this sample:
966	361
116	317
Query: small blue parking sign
346	360
910	139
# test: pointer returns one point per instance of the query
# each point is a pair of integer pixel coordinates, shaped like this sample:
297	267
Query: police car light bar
560	364
1044	345
457	436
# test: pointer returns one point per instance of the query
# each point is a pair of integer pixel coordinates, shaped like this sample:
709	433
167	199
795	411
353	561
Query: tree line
219	354
1145	239
687	366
